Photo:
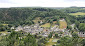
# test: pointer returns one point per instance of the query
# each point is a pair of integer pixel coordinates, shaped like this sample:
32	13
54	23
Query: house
72	26
12	28
19	28
41	22
26	27
81	34
45	34
66	33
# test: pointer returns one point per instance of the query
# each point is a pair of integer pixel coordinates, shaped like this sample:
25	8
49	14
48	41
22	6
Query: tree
42	41
56	35
83	42
66	41
75	39
16	39
82	27
30	40
69	27
50	35
2	29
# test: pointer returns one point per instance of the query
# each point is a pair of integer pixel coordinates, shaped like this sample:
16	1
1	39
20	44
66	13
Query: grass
54	22
36	19
78	13
50	43
63	24
4	32
4	24
46	25
49	25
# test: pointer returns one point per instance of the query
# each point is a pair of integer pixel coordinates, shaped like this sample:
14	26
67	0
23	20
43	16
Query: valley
42	27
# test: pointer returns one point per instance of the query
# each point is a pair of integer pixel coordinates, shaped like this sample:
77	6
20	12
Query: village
36	25
37	29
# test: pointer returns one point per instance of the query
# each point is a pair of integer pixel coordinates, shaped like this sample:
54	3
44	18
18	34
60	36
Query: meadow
37	19
63	24
46	25
76	14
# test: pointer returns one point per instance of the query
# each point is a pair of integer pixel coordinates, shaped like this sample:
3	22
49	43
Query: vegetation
78	13
50	42
70	41
46	25
69	27
20	16
10	17
63	24
82	27
17	39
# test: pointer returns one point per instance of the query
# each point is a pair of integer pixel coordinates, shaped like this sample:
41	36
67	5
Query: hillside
25	15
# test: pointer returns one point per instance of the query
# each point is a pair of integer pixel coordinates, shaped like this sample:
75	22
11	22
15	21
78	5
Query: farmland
54	22
46	25
63	24
78	13
49	25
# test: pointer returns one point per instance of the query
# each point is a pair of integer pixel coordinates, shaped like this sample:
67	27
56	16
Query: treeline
73	9
20	16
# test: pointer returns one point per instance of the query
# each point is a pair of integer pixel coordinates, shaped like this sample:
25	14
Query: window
83	33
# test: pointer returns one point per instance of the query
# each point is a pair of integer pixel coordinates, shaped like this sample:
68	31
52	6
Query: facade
81	34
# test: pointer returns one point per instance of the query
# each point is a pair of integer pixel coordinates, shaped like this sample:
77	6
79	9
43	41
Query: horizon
38	7
41	3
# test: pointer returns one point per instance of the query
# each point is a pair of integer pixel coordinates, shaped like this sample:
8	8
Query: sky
41	3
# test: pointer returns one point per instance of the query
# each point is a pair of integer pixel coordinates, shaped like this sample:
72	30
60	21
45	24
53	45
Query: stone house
19	28
81	34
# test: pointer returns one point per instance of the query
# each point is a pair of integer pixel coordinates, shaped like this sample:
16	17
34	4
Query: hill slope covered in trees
18	15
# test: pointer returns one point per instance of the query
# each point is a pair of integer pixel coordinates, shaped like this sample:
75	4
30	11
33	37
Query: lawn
63	24
78	13
46	25
50	43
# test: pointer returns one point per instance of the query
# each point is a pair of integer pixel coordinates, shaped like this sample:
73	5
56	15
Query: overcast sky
41	3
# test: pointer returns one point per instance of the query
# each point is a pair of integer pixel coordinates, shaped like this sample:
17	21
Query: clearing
46	25
78	13
54	22
63	24
37	19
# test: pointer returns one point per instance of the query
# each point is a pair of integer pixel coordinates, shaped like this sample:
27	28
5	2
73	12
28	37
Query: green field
46	25
37	19
54	22
4	24
78	13
63	24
